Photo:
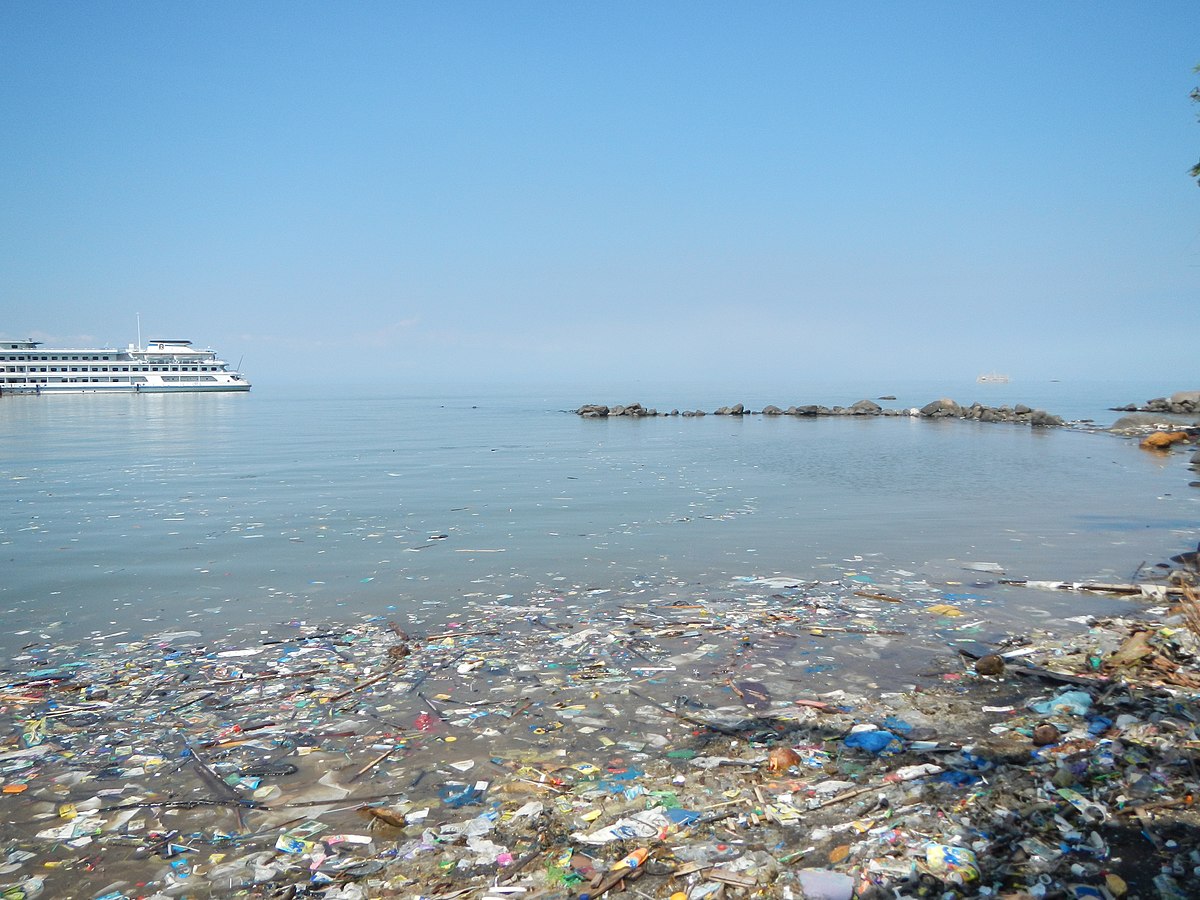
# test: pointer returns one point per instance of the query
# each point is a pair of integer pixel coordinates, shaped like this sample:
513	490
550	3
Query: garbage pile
575	747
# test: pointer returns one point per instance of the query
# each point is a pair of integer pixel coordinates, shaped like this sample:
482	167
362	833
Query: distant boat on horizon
992	378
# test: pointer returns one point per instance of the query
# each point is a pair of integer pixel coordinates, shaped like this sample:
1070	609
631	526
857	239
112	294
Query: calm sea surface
151	513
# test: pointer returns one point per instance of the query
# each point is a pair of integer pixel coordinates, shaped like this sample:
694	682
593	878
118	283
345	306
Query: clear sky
531	191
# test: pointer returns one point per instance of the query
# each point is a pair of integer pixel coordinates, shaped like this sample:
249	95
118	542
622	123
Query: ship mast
139	329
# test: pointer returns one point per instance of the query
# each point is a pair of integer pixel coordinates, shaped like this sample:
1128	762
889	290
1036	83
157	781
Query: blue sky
524	192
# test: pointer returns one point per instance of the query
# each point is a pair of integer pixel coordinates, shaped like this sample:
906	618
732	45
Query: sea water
149	513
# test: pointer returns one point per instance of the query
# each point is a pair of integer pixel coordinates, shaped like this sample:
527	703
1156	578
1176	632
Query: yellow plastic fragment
944	609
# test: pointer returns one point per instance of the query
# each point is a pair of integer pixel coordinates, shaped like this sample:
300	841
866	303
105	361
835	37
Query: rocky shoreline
938	409
1182	403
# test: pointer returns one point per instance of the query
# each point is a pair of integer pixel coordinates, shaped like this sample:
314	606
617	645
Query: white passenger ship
160	367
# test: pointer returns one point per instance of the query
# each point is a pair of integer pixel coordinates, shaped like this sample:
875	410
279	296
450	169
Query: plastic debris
553	749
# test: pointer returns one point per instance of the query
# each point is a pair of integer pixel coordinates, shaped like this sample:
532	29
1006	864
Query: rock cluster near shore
938	409
1182	403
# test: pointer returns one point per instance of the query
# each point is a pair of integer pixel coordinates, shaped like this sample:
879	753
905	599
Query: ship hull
44	389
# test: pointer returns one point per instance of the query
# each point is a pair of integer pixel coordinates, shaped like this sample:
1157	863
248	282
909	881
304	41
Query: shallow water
142	513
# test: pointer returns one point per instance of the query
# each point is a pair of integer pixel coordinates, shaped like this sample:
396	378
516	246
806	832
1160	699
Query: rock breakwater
937	409
1181	403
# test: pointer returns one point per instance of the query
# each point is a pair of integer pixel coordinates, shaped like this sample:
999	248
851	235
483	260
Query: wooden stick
372	764
724	876
450	634
871	595
1157	804
512	871
303	673
843	629
358	687
850	795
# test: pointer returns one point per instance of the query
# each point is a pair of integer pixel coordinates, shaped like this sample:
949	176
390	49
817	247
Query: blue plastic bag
877	742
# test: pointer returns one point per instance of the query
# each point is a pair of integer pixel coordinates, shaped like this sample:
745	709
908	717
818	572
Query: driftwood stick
372	764
358	687
304	673
872	595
